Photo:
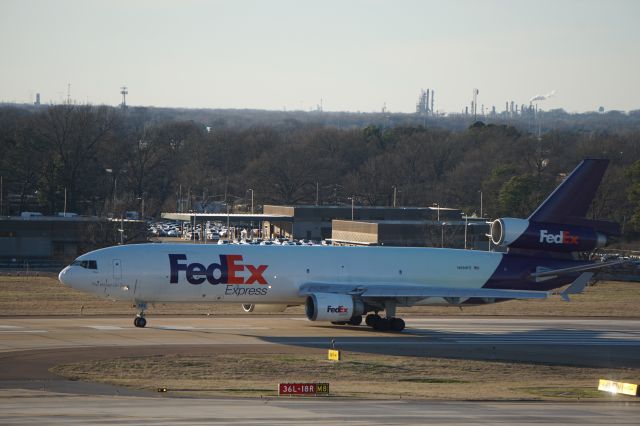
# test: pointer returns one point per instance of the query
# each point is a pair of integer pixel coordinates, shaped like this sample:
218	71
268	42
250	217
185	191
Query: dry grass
358	375
46	296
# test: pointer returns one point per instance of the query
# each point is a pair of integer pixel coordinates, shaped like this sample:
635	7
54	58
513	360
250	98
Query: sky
351	55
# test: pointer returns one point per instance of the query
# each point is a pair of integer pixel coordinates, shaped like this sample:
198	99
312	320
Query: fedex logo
337	310
563	237
227	271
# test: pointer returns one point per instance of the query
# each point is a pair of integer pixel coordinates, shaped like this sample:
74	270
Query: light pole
466	224
395	191
352	205
141	198
251	200
481	204
438	206
115	174
115	182
442	236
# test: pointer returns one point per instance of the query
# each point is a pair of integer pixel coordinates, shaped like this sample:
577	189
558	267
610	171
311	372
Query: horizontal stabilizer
577	286
574	269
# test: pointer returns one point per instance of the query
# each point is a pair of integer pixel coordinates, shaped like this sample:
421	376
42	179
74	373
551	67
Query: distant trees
109	161
632	173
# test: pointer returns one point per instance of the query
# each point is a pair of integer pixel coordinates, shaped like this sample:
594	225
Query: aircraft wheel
356	320
382	324
140	322
338	323
397	324
371	319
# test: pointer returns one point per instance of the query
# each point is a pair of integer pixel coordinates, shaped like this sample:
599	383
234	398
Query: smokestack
432	96
426	110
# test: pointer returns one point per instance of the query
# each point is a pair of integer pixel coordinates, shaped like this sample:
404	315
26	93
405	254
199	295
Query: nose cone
62	275
69	277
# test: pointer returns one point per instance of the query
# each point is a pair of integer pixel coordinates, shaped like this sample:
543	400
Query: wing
417	291
411	293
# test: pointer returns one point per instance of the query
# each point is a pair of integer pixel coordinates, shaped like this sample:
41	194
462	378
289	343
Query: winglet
576	286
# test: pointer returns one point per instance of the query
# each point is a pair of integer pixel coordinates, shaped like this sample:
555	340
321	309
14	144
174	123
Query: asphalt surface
30	394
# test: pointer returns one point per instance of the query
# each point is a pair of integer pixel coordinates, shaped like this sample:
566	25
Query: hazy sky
355	55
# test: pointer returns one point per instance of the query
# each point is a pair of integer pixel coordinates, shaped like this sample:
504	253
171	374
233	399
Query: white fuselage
267	274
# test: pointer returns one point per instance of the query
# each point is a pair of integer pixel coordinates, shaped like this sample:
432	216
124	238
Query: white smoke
542	97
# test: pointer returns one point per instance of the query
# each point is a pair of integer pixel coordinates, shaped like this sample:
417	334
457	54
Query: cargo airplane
544	252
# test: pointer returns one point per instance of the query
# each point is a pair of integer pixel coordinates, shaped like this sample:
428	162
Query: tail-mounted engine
332	307
524	234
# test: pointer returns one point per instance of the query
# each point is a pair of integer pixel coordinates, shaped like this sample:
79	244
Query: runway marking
23	331
535	337
189	328
9	326
104	327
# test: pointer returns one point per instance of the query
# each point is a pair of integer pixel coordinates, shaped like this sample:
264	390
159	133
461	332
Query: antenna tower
124	92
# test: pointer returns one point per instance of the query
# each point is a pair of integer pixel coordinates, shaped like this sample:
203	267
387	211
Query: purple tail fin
569	203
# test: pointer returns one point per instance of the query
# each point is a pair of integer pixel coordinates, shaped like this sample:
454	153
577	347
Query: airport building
359	225
33	239
460	233
316	222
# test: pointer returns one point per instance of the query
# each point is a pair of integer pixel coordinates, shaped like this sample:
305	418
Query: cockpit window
87	264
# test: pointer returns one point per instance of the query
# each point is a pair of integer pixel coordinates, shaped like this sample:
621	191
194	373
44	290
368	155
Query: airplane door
117	272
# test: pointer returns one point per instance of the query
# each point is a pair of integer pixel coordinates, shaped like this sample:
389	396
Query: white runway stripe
535	337
104	327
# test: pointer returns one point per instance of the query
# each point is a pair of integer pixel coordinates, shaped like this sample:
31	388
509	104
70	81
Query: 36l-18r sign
303	389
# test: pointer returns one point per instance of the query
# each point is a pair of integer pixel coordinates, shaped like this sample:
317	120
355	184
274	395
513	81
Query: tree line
99	160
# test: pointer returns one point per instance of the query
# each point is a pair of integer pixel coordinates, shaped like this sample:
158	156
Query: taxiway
29	393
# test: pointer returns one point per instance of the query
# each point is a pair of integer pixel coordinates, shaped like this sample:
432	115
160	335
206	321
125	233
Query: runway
30	346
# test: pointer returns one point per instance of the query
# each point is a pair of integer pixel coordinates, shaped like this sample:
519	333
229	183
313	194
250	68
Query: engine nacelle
520	233
263	308
332	307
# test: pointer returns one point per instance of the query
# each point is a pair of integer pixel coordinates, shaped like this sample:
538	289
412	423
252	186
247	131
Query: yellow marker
618	387
334	355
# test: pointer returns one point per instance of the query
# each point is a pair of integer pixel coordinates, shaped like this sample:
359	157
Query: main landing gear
354	320
379	323
389	323
139	321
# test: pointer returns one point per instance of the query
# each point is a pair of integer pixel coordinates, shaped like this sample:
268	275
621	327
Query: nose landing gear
139	321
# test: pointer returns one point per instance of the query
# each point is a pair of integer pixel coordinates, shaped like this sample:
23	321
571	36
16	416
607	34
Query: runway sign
303	389
334	355
618	387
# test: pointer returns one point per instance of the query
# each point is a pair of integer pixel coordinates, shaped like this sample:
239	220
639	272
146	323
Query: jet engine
332	307
524	234
263	308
